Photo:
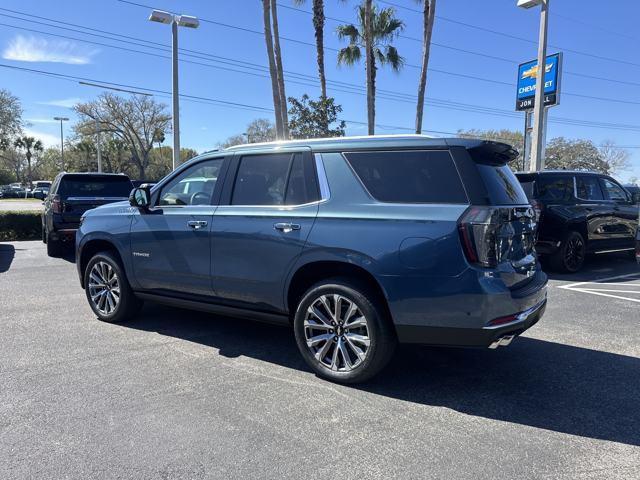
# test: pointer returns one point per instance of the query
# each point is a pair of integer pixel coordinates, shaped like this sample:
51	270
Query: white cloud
63	102
47	139
37	49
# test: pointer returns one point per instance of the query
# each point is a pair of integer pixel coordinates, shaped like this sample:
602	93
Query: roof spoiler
493	153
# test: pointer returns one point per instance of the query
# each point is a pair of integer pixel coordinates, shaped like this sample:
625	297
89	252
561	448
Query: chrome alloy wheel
336	332
104	288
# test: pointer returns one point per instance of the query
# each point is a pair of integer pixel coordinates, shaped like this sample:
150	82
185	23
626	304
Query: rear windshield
502	185
95	186
409	176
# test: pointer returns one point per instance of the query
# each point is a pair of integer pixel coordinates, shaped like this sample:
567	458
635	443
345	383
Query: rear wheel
108	291
571	254
343	332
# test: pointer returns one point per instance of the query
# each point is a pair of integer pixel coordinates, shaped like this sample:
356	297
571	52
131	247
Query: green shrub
20	226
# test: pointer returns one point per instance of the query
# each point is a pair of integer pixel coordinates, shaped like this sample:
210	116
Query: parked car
40	192
357	242
634	190
71	195
41	184
580	213
638	245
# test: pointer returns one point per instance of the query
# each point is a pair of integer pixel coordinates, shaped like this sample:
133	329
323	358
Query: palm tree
385	27
318	27
29	145
429	14
279	70
275	89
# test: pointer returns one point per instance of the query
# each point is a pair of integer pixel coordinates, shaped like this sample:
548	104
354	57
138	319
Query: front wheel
108	291
343	332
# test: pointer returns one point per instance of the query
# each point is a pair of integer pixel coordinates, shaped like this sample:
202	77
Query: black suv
70	196
579	213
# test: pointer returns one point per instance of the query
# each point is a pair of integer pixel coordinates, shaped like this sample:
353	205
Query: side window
614	191
555	189
588	188
274	179
194	186
302	186
409	176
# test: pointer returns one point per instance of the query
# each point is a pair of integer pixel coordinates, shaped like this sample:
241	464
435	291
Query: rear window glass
95	187
409	176
555	189
502	185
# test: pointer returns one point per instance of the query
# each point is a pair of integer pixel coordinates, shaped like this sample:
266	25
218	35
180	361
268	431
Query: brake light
503	320
487	234
56	204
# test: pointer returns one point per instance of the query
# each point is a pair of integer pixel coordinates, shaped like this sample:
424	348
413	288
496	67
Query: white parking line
592	287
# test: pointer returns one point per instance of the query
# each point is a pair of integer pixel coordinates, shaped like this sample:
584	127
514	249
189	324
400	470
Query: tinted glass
614	191
588	188
261	180
302	185
502	185
409	176
194	186
95	186
554	189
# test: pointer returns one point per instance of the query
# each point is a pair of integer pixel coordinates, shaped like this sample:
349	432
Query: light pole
98	146
537	142
61	119
175	21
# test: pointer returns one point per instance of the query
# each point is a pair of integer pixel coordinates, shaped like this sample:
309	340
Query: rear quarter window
555	189
409	176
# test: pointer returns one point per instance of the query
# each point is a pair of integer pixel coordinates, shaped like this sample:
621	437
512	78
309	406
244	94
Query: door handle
197	224
286	227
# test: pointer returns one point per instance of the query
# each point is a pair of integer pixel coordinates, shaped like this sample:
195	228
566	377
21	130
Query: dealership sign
527	75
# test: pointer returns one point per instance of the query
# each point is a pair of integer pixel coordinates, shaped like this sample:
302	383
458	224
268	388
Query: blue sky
597	42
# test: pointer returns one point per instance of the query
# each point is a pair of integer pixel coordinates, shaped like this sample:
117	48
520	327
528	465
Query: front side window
194	186
614	191
588	188
555	189
409	176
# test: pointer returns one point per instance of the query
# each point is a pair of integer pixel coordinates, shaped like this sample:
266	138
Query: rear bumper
547	247
459	312
471	337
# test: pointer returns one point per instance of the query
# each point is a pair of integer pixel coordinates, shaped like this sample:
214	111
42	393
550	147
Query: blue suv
359	243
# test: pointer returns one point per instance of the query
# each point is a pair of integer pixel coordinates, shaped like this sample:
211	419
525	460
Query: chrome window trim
325	192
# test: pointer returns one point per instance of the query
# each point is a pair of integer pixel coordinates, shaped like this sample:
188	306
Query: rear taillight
56	204
488	234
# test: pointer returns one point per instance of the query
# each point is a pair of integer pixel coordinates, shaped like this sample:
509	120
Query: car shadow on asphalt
599	266
7	254
536	383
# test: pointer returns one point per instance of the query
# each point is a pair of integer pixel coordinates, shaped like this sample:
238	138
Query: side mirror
140	197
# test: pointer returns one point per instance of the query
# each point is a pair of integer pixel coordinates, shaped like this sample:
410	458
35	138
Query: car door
269	205
597	210
170	242
624	220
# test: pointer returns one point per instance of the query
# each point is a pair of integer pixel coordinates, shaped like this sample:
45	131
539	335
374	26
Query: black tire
571	255
379	331
128	304
54	247
44	235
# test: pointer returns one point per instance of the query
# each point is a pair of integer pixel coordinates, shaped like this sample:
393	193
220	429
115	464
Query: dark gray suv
357	242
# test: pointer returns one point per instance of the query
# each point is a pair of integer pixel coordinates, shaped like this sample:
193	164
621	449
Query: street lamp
537	147
61	119
161	16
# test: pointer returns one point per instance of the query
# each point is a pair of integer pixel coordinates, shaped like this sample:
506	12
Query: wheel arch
93	246
312	272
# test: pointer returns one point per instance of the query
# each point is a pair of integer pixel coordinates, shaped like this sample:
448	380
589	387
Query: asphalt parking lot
179	394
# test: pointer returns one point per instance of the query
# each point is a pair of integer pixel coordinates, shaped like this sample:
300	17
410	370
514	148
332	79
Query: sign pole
537	158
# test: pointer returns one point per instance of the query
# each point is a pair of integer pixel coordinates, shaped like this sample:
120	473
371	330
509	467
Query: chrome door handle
197	224
286	227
